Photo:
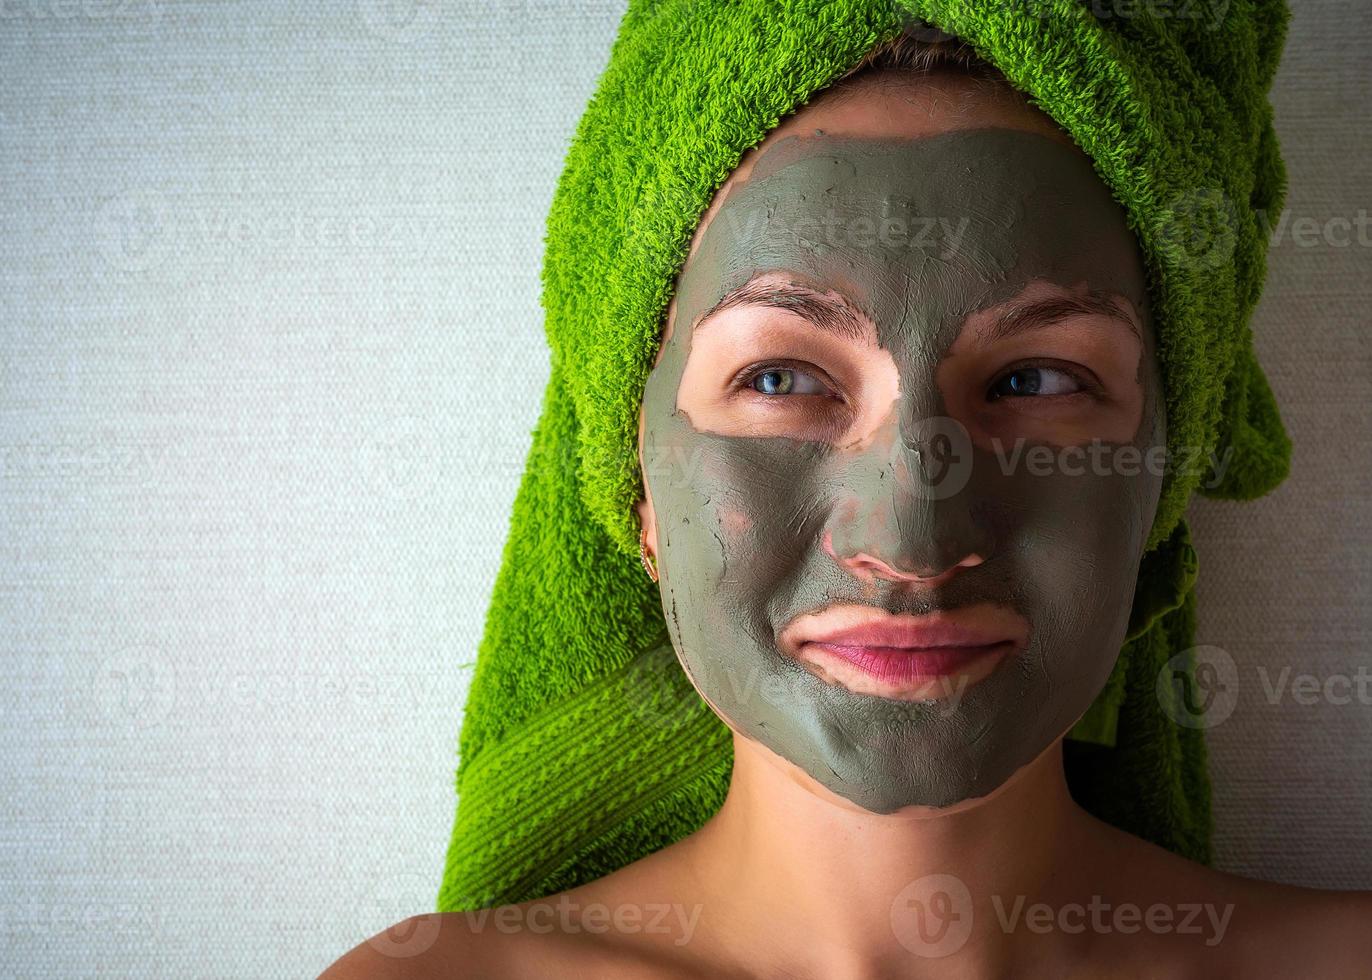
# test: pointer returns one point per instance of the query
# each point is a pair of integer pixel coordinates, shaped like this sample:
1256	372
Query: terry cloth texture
583	746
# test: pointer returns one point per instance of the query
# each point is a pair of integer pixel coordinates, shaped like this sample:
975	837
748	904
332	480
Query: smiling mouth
925	658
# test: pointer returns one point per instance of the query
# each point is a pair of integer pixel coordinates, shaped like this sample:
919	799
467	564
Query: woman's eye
1035	381
786	381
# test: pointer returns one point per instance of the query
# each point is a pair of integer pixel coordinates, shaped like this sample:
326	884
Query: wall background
270	354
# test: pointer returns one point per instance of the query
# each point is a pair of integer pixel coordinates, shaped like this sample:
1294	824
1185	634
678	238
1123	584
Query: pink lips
871	651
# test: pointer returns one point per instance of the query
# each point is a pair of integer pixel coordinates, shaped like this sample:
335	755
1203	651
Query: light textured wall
270	354
1286	582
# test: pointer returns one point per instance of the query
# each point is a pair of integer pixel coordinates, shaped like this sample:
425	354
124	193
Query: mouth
913	658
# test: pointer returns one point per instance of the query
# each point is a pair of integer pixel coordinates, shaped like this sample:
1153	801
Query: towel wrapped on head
583	745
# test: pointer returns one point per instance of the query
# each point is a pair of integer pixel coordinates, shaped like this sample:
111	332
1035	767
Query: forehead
908	181
893	105
919	231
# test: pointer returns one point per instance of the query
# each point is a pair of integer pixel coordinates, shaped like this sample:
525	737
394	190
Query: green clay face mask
767	512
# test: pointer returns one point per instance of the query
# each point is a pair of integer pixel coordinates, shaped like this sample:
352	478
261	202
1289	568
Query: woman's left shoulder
1330	925
1267	928
1195	916
1311	932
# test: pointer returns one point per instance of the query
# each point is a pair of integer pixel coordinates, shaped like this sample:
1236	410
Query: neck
815	874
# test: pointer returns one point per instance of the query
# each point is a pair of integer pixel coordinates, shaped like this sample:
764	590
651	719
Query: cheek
733	526
733	506
1075	556
706	508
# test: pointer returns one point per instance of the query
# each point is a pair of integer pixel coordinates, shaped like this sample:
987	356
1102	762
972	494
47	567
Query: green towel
583	746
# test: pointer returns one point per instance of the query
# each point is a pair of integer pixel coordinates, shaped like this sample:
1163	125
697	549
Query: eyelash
1088	383
743	380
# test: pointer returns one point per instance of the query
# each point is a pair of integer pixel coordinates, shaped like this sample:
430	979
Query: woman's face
902	445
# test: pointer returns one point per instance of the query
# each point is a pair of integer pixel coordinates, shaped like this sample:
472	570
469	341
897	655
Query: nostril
865	563
932	566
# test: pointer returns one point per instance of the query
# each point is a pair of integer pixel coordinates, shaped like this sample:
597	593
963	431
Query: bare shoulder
545	937
483	943
1241	926
1296	931
418	947
633	923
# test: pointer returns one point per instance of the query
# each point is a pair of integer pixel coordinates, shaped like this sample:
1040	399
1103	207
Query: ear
648	519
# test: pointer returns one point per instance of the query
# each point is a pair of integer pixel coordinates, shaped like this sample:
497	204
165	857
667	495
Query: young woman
901	444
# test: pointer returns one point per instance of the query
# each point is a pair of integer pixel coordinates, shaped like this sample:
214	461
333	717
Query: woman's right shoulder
506	941
436	944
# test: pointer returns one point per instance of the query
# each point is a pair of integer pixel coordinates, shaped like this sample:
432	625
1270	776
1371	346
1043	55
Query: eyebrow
838	318
1041	313
830	315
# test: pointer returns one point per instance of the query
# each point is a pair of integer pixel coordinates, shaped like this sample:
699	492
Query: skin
807	875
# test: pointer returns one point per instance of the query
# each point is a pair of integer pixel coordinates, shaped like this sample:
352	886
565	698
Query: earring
650	568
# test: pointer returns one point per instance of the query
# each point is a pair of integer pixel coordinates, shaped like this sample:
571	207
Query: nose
930	574
893	528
